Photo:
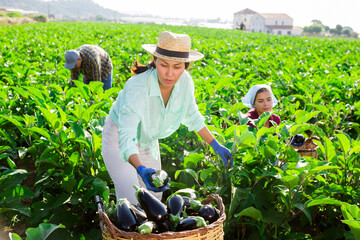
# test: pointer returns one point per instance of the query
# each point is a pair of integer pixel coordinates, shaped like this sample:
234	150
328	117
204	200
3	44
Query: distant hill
68	9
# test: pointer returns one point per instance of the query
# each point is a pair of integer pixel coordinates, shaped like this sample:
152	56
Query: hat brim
193	55
70	66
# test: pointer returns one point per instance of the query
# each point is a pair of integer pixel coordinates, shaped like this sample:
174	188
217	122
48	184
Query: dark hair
137	68
260	91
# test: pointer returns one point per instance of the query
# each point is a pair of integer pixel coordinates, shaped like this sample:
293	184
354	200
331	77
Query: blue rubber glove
145	174
223	152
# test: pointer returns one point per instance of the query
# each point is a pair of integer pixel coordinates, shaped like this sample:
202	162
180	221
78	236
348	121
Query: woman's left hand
223	152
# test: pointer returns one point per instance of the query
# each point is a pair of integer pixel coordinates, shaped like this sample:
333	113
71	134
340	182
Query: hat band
171	53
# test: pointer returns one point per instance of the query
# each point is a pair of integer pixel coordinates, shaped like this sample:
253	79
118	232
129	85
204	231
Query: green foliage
313	29
40	233
14	14
50	132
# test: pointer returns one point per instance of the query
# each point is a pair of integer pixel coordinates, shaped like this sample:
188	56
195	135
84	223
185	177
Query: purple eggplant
298	140
190	223
209	213
154	209
175	206
126	219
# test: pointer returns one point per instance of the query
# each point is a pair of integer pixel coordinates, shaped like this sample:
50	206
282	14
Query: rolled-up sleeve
193	120
127	132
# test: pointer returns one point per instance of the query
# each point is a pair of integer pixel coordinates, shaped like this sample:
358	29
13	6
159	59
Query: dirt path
4	235
14	21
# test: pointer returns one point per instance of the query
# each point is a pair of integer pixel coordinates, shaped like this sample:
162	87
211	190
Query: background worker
92	62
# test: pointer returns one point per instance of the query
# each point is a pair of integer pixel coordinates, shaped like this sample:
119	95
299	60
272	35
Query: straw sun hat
173	47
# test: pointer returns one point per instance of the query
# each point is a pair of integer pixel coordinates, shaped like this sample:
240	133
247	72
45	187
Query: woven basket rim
307	150
115	232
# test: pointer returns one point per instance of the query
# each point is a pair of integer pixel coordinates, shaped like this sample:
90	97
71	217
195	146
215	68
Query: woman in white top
152	105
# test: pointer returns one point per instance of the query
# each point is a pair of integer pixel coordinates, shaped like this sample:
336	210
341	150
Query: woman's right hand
145	174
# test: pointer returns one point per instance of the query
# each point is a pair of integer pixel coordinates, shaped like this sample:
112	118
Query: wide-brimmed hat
173	47
71	57
249	98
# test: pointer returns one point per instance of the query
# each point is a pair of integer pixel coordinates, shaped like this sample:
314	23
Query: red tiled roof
246	11
275	15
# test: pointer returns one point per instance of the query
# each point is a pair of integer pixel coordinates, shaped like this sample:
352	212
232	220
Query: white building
272	23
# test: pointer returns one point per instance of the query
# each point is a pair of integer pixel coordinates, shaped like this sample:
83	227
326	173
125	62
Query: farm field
50	132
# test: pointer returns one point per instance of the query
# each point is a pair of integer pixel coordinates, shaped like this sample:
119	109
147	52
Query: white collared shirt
141	116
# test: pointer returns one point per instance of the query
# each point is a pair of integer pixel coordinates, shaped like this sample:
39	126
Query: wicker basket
309	148
212	231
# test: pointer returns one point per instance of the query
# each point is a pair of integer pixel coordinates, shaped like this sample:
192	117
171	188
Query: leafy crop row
50	135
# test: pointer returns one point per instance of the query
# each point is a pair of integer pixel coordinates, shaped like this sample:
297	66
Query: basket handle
102	215
99	203
217	199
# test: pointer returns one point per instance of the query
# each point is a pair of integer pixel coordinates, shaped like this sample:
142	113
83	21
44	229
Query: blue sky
329	12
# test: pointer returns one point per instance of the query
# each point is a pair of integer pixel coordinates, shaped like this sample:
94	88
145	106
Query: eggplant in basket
175	206
209	213
190	223
155	210
126	219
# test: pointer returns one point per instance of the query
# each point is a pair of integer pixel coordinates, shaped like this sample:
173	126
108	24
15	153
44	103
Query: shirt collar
154	84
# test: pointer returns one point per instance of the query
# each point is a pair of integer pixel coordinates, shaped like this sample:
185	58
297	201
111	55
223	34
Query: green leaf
243	118
14	236
16	123
304	116
192	160
86	116
350	212
310	115
16	205
261	132
237	196
41	131
187	192
250	212
52	118
344	142
246	139
324	201
42	232
355	149
62	114
323	109
188	171
260	122
354	226
290	181
300	116
78	130
315	170
329	149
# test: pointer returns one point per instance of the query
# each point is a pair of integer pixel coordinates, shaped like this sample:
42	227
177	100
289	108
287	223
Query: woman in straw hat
260	99
152	105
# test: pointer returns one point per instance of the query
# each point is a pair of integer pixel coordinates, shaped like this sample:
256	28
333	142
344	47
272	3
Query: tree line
318	28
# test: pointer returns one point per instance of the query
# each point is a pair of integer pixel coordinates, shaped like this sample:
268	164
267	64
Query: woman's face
78	62
169	72
263	102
